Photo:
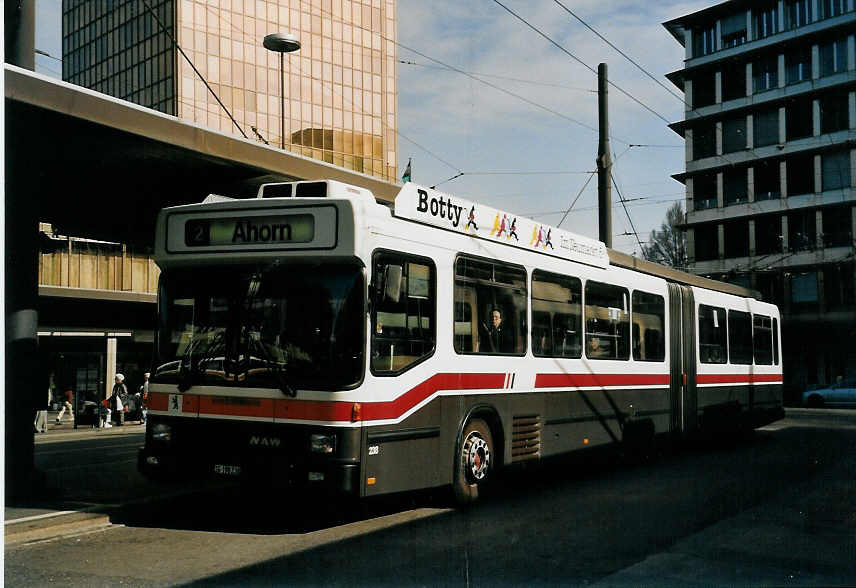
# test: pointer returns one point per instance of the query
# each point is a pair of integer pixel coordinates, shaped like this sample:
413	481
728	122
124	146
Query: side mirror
392	282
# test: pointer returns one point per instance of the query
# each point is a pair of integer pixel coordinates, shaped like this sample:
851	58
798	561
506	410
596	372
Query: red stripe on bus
599	380
737	378
158	401
373	411
236	406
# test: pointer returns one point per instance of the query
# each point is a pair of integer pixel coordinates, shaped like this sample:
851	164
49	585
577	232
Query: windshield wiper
187	375
279	371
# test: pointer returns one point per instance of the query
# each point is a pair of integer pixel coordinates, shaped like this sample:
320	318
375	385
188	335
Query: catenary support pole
604	160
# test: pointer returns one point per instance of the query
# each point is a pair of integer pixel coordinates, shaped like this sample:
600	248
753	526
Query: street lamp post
281	43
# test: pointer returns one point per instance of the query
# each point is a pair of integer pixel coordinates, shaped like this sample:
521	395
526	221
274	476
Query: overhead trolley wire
623	54
581	62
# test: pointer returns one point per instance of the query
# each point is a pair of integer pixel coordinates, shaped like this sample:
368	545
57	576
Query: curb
53	525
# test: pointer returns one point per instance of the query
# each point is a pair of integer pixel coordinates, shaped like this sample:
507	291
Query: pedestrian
41	422
116	399
143	395
69	395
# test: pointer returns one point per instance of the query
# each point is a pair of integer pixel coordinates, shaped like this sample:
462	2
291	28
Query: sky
526	140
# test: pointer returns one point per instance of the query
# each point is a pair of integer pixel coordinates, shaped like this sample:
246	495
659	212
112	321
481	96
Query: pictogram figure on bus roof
512	231
471	219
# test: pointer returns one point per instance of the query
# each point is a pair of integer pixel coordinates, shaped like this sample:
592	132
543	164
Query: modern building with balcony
770	131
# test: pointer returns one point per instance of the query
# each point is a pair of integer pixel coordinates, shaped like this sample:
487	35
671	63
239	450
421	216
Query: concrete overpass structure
100	167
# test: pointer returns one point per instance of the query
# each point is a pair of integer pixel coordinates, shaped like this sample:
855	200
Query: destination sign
249	230
470	218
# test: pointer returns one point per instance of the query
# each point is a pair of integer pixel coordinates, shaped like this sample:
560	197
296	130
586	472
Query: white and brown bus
315	337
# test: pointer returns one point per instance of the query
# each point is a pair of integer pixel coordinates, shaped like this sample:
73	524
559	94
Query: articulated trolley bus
313	337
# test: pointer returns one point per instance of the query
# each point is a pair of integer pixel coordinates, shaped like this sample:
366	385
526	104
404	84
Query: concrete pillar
717	87
781	14
719	138
782	128
785	240
851	53
691	245
688	40
750	34
690	197
688	145
818	229
111	365
780	74
749	88
783	179
720	240
20	33
688	95
750	184
815	118
815	62
818	178
720	190
752	247
851	103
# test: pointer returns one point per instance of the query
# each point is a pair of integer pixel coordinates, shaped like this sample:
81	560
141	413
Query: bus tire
473	462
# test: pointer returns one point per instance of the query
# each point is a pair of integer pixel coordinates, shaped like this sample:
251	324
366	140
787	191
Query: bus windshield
278	326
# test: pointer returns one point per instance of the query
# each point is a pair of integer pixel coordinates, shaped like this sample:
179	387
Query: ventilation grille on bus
526	437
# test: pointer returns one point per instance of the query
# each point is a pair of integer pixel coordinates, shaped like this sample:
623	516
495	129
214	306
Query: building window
607	321
649	320
799	117
830	8
734	82
556	315
704	140
838	286
706	240
834	112
798	65
802	230
712	335
704	41
797	13
765	127
736	235
835	170
768	234
765	73
704	191
733	29
734	135
483	290
765	19
734	186
800	175
704	89
837	226
804	289
833	57
766	179
403	325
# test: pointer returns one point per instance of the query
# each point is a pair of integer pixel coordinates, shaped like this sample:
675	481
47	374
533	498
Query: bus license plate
227	470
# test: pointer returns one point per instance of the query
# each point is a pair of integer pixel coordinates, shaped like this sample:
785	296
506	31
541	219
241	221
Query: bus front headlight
162	433
322	443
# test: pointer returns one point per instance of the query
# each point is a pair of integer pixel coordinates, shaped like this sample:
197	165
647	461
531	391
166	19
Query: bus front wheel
474	462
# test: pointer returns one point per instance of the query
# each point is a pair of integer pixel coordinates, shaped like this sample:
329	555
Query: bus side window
495	294
649	318
403	311
607	321
556	307
712	335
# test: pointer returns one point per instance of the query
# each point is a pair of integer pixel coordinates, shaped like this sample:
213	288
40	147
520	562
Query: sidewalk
81	498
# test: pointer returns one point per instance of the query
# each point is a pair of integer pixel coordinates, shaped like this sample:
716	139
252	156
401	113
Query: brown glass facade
340	88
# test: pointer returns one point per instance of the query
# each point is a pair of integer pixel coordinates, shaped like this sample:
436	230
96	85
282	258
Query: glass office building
340	101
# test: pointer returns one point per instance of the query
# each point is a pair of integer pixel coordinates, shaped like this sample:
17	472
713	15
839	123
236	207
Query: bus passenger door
682	379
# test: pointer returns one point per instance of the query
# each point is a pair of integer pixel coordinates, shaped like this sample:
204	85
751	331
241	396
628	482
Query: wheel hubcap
477	456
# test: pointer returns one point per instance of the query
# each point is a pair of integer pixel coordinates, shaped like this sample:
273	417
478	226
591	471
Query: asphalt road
779	509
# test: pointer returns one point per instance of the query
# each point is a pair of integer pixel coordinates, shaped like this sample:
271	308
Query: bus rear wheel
474	462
